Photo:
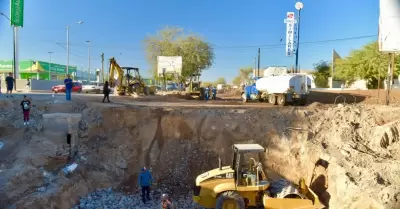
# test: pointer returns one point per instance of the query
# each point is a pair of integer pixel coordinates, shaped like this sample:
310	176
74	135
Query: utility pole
255	65
88	60
389	77
258	69
50	65
102	67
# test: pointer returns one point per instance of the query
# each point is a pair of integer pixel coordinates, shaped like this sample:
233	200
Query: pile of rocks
107	198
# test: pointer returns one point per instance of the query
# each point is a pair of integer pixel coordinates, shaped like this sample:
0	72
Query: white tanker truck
279	89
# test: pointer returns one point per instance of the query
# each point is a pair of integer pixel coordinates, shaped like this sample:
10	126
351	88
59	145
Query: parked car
172	87
76	87
92	87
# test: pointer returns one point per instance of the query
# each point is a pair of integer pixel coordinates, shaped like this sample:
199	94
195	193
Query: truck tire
232	196
146	90
259	97
244	98
281	101
303	101
272	99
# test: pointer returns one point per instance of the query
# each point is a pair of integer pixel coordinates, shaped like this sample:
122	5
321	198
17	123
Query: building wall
44	85
20	84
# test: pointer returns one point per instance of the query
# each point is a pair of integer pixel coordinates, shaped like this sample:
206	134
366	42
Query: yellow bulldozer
127	80
241	186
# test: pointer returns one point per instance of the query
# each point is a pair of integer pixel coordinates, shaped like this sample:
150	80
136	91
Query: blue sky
237	28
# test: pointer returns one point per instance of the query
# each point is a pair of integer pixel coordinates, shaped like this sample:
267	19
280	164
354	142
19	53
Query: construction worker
214	93
166	203
207	93
145	181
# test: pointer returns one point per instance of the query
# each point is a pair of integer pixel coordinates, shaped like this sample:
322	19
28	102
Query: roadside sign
17	13
290	34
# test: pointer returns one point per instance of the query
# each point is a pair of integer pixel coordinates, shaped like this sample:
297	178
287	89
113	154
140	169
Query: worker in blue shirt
145	181
214	93
207	93
68	87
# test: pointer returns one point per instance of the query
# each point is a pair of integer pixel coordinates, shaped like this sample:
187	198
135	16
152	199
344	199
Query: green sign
6	66
30	66
17	13
54	68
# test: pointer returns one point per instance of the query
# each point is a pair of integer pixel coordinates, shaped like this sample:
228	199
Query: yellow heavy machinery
194	87
127	80
240	186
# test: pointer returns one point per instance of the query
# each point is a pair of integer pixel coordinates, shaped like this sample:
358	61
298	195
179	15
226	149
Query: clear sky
236	27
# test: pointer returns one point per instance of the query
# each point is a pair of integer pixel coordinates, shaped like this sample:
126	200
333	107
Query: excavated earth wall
360	144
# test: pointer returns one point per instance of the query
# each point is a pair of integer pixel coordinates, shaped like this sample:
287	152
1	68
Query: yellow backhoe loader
127	80
194	87
240	186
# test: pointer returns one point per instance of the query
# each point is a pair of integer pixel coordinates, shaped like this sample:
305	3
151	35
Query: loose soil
349	153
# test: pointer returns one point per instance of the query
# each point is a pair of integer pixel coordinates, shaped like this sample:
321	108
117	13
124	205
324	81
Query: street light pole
14	50
67	49
50	65
68	26
88	60
299	6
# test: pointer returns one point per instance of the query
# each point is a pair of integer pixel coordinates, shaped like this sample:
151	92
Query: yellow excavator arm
115	69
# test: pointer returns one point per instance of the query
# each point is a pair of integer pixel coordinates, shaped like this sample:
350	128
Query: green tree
220	80
243	77
197	55
236	81
366	63
322	72
206	83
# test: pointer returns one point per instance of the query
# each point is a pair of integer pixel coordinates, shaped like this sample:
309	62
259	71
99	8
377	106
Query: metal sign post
388	39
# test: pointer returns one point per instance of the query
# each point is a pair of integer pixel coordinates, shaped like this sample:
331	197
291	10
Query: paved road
151	101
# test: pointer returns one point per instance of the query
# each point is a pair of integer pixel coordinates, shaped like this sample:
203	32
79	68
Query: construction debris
360	144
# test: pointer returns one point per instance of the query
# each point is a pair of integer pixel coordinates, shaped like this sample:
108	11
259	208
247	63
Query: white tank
280	84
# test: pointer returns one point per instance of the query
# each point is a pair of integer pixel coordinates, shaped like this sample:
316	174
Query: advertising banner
169	65
17	13
290	34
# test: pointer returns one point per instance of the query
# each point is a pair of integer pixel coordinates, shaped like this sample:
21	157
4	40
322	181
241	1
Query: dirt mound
356	146
315	105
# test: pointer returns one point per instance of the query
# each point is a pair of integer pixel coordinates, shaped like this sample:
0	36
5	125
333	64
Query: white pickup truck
92	87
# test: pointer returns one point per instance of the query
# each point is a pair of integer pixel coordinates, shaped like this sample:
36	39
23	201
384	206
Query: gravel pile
109	199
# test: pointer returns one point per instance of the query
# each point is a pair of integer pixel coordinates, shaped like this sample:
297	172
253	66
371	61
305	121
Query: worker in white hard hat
166	203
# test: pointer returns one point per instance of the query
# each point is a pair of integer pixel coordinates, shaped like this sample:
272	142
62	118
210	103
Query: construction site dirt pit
110	143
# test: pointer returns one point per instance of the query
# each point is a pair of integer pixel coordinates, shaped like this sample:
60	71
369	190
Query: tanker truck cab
250	92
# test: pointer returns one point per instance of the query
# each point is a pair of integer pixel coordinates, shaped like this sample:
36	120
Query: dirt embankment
360	143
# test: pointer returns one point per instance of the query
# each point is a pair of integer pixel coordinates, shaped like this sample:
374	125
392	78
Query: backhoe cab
135	82
244	184
194	86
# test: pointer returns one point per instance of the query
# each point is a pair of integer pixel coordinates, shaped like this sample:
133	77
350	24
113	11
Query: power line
263	46
306	42
76	54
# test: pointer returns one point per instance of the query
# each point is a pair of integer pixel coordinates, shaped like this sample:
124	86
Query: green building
37	69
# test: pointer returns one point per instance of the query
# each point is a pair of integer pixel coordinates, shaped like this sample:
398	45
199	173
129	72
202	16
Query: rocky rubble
108	199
